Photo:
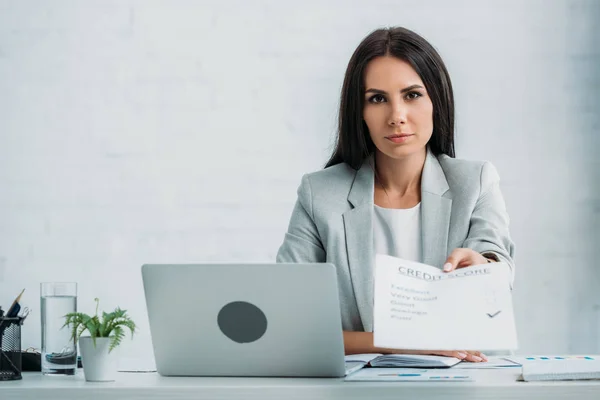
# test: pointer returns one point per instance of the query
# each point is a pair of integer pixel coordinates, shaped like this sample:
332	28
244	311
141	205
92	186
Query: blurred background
178	131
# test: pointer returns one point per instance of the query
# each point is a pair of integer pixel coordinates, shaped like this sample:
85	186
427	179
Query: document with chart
417	306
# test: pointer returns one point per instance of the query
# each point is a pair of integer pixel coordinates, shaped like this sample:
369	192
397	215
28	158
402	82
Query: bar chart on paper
410	375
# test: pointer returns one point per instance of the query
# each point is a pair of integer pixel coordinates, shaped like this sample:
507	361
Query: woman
393	186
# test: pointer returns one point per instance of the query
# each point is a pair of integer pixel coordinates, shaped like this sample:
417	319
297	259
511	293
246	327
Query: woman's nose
398	116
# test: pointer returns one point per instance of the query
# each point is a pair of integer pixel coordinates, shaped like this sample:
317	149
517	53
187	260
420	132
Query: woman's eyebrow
406	89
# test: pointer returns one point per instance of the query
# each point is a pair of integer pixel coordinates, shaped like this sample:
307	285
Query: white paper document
129	364
492	363
410	375
417	306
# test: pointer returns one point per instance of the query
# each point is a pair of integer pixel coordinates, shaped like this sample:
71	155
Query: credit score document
417	306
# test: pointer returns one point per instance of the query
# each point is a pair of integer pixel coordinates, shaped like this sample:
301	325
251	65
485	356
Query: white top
397	232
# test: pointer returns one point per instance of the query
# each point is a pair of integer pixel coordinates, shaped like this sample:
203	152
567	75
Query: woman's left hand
460	258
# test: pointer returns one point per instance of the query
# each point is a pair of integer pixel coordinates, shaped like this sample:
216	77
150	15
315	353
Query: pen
13	311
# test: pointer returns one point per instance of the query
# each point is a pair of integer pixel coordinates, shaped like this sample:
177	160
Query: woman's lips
399	138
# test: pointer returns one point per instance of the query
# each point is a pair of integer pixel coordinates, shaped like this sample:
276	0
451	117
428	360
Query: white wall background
177	131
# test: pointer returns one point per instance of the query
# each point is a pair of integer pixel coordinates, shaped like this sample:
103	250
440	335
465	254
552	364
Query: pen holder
10	348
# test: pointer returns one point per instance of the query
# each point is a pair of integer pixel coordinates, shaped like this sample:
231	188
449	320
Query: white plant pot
98	364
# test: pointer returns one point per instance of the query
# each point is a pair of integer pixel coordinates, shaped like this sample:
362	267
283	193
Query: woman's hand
362	342
461	258
466	355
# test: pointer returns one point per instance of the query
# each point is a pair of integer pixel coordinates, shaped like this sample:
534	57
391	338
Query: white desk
489	384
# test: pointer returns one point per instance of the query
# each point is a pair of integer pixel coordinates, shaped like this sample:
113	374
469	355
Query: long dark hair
354	143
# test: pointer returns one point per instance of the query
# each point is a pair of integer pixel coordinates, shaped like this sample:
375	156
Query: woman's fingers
463	257
478	354
450	353
466	355
458	256
473	358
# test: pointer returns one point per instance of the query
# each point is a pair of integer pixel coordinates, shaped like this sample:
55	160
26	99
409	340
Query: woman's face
397	111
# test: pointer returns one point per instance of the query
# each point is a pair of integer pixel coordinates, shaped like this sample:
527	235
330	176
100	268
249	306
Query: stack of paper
403	360
413	361
550	368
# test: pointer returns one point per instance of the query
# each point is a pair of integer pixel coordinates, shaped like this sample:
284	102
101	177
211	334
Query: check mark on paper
494	314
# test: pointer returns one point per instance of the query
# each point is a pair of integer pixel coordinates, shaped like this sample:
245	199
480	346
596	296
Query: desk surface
489	384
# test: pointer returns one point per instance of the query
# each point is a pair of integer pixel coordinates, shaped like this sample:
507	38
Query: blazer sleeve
302	242
488	230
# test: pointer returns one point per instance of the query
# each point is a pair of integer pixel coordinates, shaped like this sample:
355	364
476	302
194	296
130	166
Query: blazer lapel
359	241
435	212
358	225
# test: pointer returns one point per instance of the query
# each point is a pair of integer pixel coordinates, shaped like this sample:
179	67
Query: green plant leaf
82	328
103	330
92	327
119	318
77	322
116	338
128	323
113	322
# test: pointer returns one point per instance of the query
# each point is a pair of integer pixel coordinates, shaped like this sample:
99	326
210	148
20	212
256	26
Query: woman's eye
377	99
413	95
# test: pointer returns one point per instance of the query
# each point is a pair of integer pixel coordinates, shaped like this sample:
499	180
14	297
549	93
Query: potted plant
105	334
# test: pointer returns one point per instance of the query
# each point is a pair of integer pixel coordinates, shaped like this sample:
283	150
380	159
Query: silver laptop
245	319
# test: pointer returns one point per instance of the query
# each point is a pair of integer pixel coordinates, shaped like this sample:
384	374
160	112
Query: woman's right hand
465	355
362	342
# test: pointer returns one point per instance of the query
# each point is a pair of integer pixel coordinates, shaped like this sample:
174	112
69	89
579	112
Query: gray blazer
461	206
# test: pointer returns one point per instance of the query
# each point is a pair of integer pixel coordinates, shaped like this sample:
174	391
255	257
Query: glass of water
59	350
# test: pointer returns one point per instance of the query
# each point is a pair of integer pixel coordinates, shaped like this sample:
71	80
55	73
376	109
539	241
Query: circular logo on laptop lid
242	322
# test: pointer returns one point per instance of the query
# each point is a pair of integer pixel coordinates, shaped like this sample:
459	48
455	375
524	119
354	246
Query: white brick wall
177	131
